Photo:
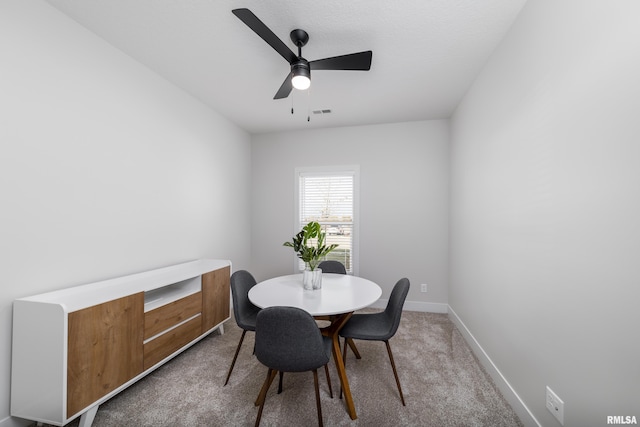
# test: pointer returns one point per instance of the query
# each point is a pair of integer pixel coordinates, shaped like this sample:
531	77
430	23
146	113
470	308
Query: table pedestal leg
333	331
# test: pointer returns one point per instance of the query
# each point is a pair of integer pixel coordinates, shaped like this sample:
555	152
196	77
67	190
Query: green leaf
311	255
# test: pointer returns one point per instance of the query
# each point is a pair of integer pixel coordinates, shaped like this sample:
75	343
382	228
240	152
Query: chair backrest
241	282
331	266
395	304
288	340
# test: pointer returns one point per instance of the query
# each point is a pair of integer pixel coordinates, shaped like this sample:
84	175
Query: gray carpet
443	384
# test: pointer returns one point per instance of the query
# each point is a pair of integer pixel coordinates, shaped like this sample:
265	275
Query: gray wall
403	200
545	196
105	168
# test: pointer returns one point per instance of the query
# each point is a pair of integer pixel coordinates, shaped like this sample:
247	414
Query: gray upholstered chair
331	266
288	340
378	326
243	310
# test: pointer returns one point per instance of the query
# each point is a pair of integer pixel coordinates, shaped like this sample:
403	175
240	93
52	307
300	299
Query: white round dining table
339	297
340	293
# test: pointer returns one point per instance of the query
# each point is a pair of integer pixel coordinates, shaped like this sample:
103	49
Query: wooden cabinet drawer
163	318
165	344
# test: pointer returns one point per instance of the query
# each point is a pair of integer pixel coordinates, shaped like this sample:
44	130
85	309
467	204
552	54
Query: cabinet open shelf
167	294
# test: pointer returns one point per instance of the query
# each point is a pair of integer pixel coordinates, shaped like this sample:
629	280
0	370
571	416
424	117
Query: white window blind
329	196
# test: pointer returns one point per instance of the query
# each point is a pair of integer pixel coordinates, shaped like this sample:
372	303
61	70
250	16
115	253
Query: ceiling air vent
321	111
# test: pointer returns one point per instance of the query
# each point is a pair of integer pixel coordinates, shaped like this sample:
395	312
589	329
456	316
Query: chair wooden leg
280	382
318	405
326	371
271	374
353	347
235	356
344	360
263	393
395	372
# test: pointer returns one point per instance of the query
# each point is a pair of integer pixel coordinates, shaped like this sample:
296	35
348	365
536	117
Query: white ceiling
426	53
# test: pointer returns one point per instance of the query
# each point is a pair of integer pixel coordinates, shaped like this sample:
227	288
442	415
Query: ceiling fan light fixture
301	75
301	82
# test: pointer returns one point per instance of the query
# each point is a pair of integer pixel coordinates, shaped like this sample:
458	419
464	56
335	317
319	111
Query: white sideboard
77	347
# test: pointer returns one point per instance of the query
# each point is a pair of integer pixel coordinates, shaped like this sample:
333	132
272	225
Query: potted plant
310	253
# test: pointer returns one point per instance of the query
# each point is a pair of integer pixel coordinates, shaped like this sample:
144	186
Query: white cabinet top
78	297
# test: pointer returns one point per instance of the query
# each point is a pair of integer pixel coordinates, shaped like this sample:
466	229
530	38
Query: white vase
312	279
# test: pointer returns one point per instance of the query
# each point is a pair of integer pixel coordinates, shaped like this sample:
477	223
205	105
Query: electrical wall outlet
555	405
423	287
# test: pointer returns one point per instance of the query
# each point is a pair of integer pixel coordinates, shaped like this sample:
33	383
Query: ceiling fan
300	75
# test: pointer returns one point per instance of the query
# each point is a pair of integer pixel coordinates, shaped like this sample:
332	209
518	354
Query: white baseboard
427	307
507	391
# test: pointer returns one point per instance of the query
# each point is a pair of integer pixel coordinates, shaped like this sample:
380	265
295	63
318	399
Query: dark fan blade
285	89
354	61
265	33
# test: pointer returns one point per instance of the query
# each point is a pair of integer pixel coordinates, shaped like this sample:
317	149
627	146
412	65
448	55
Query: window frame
353	170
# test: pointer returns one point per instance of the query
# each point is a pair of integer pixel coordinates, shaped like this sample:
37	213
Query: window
329	196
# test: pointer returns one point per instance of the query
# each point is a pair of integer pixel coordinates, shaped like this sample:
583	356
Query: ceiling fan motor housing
301	68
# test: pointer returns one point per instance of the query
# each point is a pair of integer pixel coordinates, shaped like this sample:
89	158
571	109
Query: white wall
545	208
105	168
403	200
